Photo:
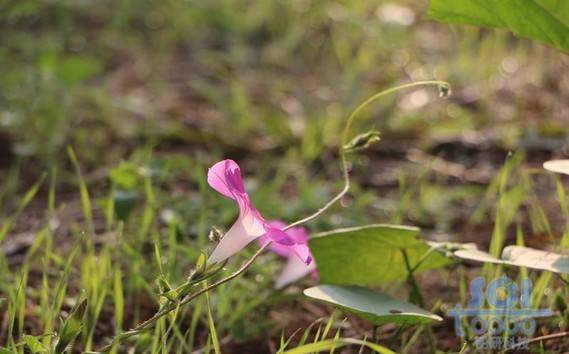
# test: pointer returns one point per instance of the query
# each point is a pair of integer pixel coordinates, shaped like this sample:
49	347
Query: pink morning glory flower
225	178
294	268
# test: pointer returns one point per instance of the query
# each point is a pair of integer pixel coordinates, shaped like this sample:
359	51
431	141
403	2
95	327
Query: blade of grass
28	197
83	191
330	344
212	330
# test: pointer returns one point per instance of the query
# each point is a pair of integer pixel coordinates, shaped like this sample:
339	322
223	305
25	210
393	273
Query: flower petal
293	271
279	236
281	250
246	228
302	252
225	177
298	234
287	243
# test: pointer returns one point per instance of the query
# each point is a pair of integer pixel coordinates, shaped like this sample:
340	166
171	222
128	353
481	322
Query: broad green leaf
546	21
330	344
371	254
558	166
374	307
558	8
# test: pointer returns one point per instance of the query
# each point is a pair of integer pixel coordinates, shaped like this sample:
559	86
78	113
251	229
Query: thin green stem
416	295
346	136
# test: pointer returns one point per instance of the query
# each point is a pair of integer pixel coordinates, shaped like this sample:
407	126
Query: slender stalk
538	339
346	136
416	295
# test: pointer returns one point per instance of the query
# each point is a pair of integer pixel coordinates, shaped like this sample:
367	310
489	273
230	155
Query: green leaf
371	254
546	21
558	8
34	345
374	307
72	326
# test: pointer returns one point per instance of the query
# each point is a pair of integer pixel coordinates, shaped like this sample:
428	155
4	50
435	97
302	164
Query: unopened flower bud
215	234
362	141
444	90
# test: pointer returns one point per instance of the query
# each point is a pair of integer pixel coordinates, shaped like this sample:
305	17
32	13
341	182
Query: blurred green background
148	94
169	87
256	76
